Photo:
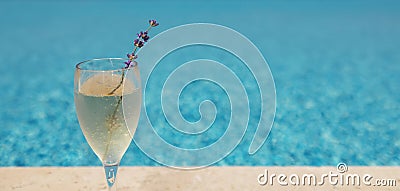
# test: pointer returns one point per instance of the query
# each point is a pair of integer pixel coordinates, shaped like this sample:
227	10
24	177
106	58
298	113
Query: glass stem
111	176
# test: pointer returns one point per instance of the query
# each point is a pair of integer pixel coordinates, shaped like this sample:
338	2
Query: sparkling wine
107	126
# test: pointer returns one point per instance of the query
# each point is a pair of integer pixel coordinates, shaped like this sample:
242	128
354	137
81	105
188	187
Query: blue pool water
336	67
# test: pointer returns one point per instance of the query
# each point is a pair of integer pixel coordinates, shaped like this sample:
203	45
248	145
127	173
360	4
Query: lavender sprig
139	42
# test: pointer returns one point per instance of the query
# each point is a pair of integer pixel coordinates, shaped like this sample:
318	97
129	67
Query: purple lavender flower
139	35
145	38
143	35
128	63
153	23
138	43
131	56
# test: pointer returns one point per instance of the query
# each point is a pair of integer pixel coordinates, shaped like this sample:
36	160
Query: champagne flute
108	100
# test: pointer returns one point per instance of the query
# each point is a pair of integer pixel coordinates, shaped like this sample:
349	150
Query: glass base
111	176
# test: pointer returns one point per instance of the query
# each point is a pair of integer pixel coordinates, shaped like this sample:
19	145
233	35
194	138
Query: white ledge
163	178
